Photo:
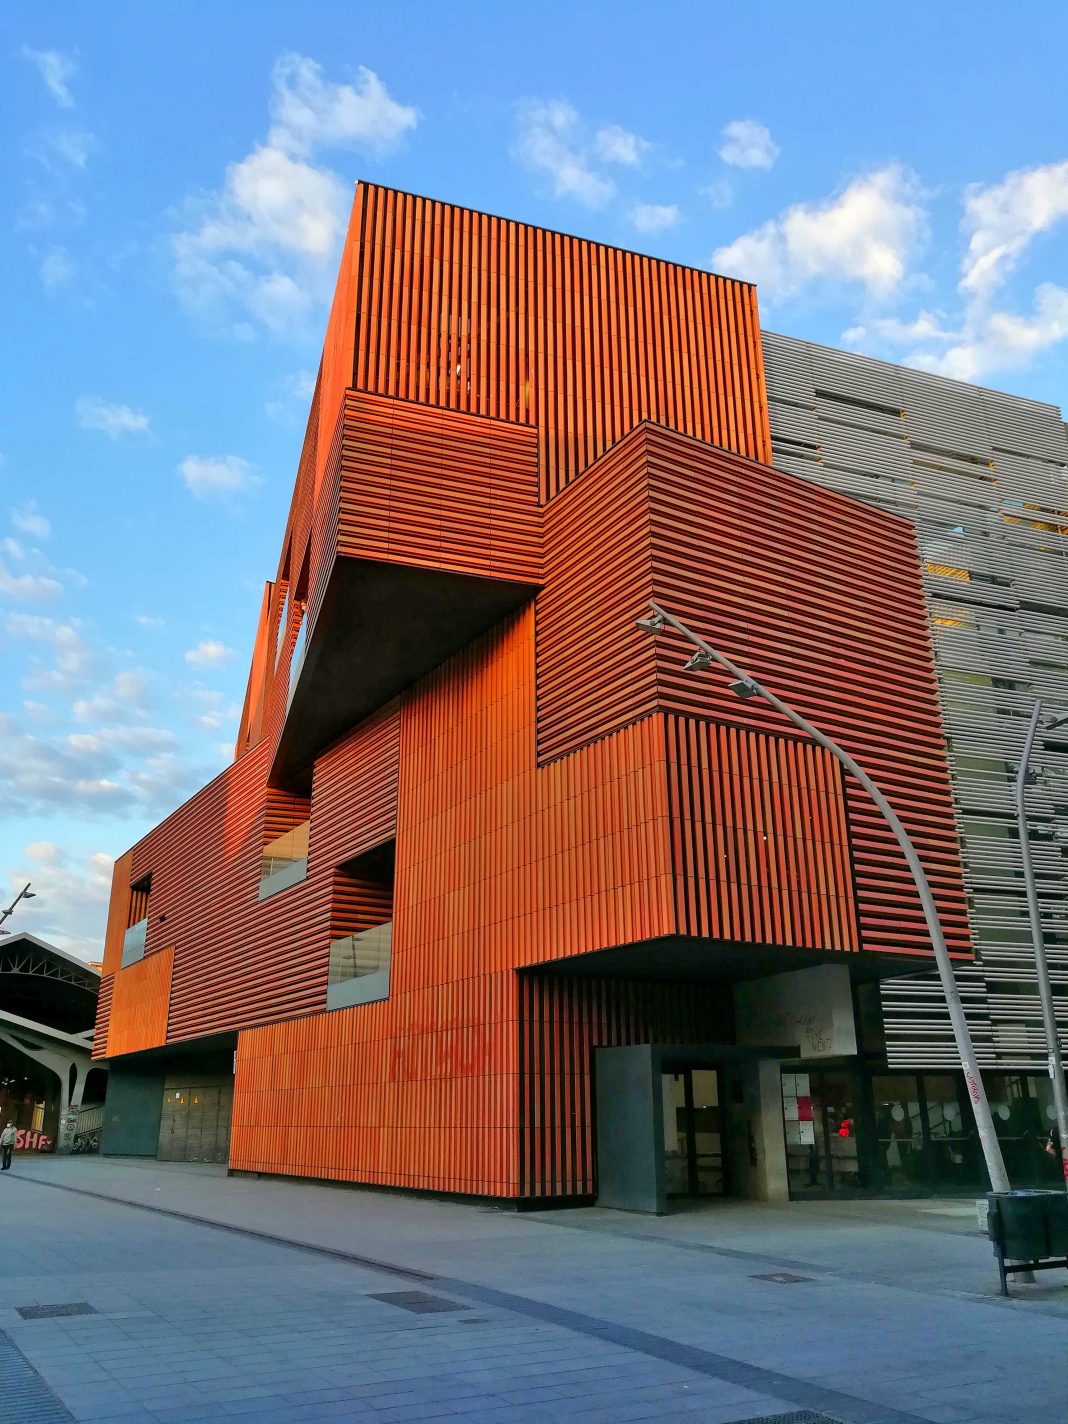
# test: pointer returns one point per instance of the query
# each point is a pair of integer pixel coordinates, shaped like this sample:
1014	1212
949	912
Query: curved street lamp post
745	686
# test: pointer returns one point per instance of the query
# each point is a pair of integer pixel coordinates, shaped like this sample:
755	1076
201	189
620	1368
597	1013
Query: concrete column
755	1140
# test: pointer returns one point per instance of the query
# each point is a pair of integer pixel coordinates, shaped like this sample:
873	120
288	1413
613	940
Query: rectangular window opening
284	859
135	938
361	927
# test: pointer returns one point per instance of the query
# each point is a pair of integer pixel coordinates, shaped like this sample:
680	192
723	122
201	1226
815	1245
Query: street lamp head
29	894
744	689
1055	722
699	662
653	624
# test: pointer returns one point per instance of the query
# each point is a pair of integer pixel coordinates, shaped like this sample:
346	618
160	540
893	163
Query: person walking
7	1145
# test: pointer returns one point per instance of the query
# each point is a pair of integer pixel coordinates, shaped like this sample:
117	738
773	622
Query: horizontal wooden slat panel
435	489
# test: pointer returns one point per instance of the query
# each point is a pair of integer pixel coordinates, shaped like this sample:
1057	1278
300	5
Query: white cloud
296	390
1000	340
746	144
720	193
1003	219
867	234
124	699
209	653
28	587
614	144
985	341
654	217
925	326
266	243
148	620
69	146
112	419
72	662
310	112
55	268
71	894
209	475
56	69
29	520
550	139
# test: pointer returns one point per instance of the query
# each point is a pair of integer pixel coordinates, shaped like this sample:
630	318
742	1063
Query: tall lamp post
1045	991
24	894
745	686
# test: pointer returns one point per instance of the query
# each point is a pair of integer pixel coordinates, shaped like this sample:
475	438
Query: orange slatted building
496	898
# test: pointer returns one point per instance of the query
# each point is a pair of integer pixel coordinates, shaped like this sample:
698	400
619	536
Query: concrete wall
630	1129
132	1113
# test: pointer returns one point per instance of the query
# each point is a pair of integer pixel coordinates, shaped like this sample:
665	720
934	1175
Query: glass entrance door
693	1132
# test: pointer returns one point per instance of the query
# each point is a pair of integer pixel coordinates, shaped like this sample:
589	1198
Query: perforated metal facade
984	476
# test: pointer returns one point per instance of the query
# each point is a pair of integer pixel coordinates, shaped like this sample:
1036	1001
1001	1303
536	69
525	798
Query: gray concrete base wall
630	1129
132	1113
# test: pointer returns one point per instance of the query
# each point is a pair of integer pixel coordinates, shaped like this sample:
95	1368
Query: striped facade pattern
429	488
752	560
240	960
760	838
140	1002
529	790
358	903
500	863
982	476
480	314
562	1022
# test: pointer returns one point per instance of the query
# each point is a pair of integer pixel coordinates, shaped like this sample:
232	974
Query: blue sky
177	177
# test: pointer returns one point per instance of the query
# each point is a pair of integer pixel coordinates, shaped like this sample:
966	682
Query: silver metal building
984	476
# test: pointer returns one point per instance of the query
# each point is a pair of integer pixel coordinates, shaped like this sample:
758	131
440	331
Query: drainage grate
46	1312
27	1399
799	1416
419	1302
781	1278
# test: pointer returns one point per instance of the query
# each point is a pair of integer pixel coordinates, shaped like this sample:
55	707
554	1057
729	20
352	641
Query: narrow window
361	921
133	941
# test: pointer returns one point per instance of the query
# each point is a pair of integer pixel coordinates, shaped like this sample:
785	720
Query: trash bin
1028	1226
1017	1224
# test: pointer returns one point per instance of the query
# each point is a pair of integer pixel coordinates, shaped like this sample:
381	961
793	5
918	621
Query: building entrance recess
676	1122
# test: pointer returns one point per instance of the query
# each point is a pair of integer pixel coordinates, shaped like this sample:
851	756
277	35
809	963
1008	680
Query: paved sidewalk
586	1316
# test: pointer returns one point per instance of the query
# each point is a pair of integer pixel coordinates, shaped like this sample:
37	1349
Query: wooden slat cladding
140	1001
282	811
818	595
358	903
240	960
418	1090
359	773
475	313
561	1022
103	1015
502	863
761	838
596	672
435	489
821	598
499	863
